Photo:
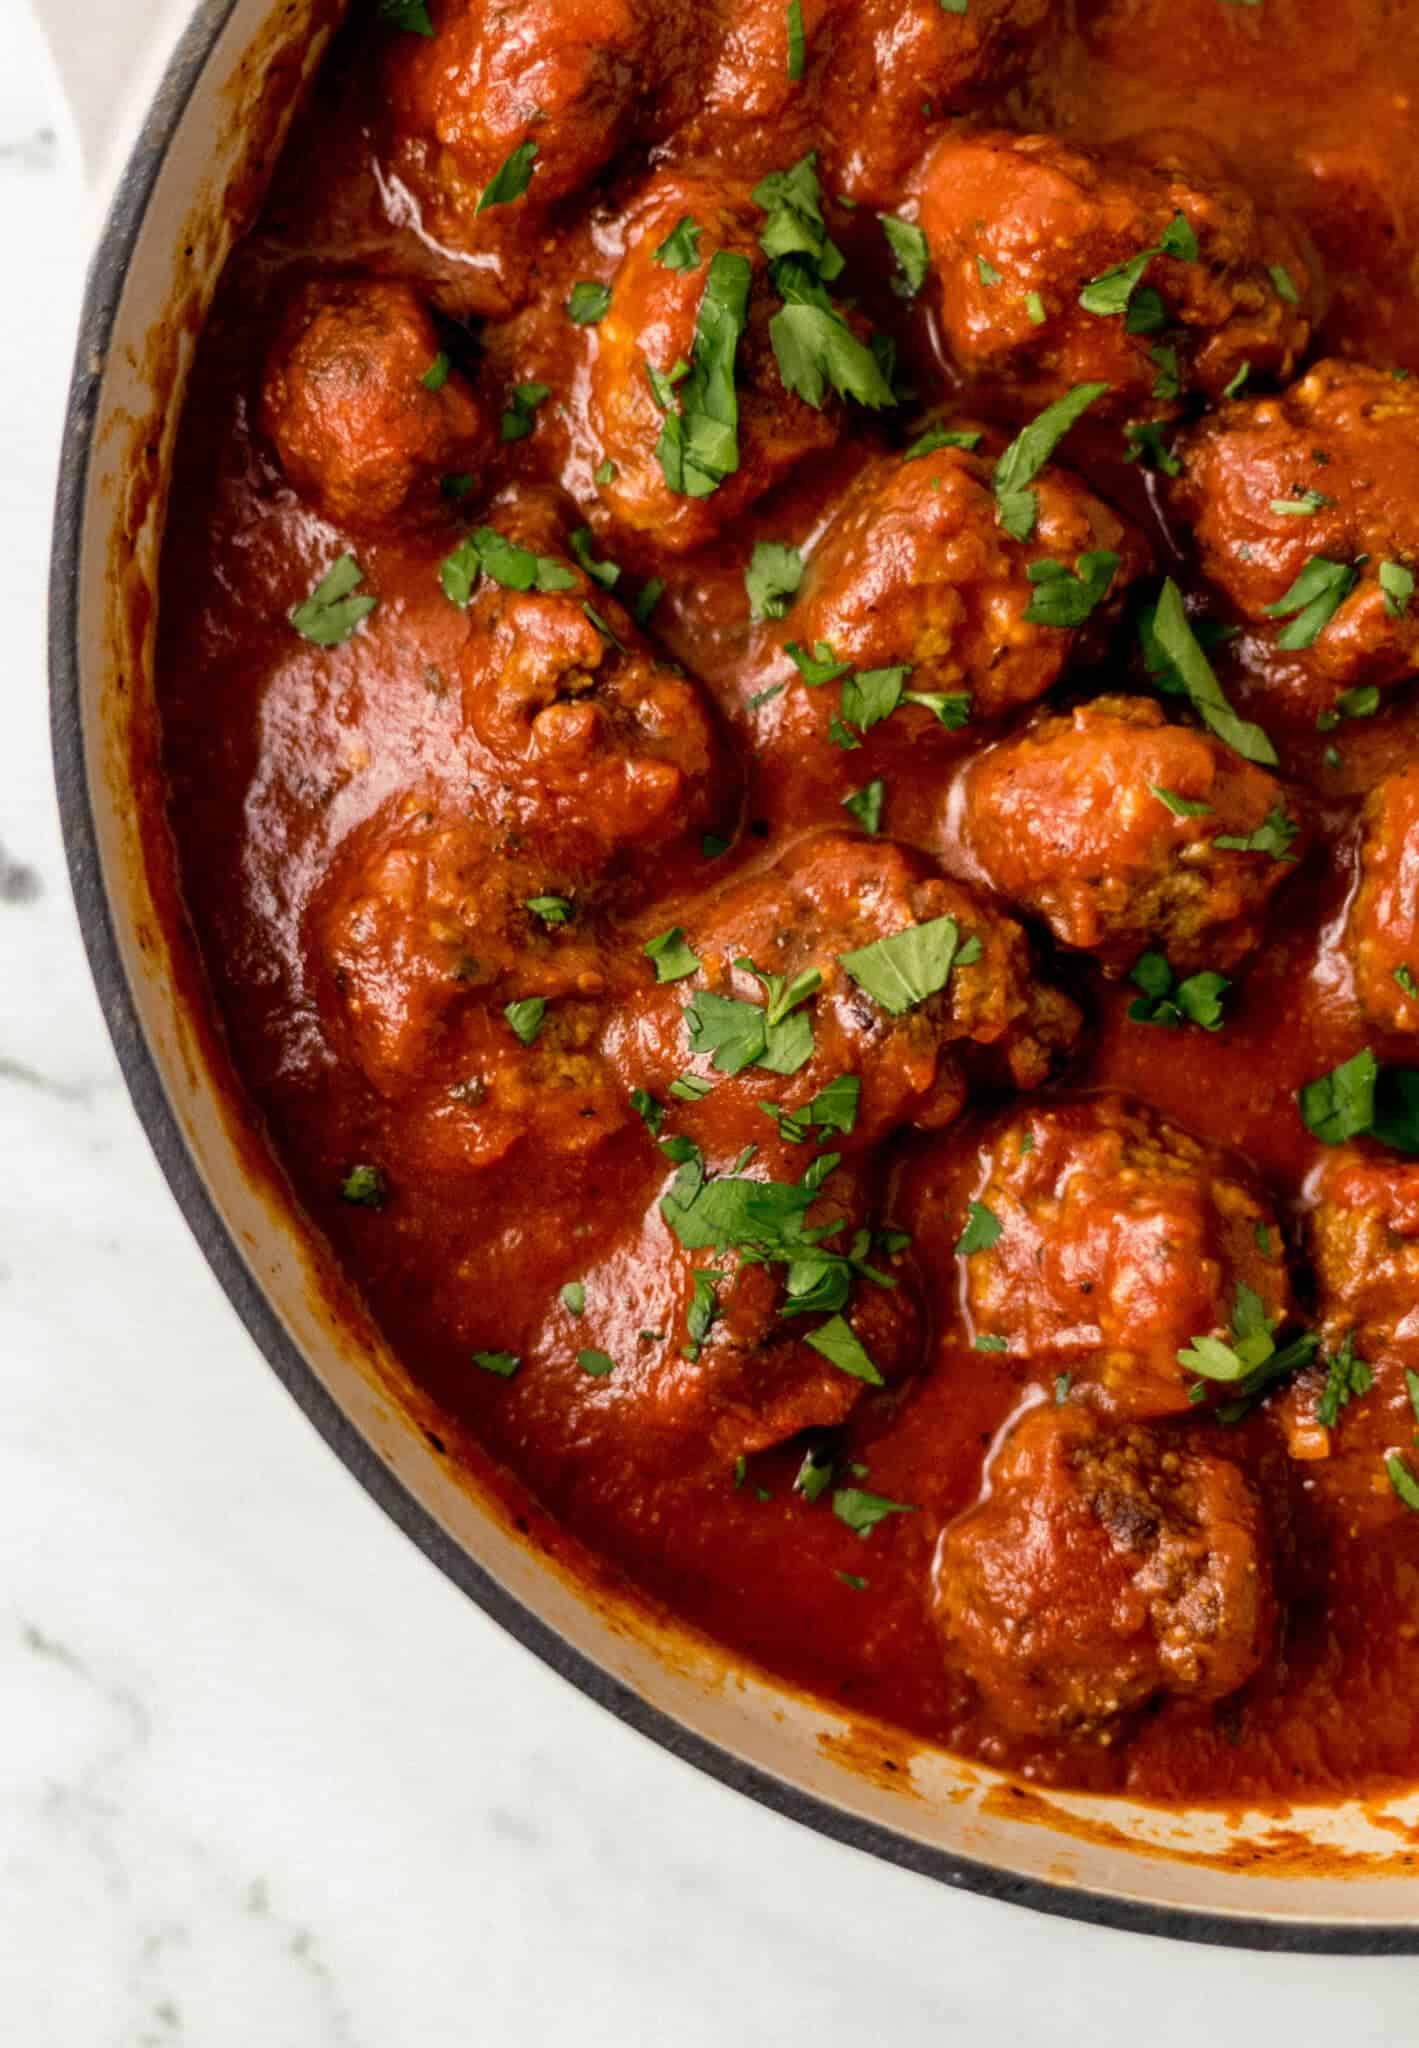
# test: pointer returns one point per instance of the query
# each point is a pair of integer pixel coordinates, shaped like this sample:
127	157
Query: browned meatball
596	739
365	414
1101	1569
1320	484
651	325
878	79
1071	820
969	1007
1364	1235
916	568
1021	227
423	915
1106	1240
1382	935
560	74
731	1373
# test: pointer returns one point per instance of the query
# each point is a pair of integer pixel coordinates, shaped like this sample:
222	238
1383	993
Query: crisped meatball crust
364	415
915	567
993	1022
1028	233
1110	1240
1100	1569
1071	819
1328	474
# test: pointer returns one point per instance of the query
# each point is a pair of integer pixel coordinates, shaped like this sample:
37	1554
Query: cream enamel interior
937	1804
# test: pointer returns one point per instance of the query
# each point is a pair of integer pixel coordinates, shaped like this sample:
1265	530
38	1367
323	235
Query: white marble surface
266	1781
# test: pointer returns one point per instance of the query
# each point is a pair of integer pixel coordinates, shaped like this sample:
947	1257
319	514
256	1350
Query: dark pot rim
106	280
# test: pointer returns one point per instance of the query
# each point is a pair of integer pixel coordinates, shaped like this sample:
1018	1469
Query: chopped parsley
573	1297
1169	643
1180	806
1066	597
1303	507
681	248
1361	702
551	909
944	437
1397	583
905	969
982	1230
364	1187
487	552
797	46
332	611
1407	984
1403	1481
908	246
1172	1003
772	578
699	445
650	1112
525	1017
773	1035
436	375
523	401
866	804
596	1363
1111	292
986	1342
1280	275
1273	836
1146	444
502	1363
833	1108
582	542
1362	1098
836	1341
673	955
814	1475
410	15
588	302
862	1511
1346	1379
1313	600
1016	504
812	342
510	180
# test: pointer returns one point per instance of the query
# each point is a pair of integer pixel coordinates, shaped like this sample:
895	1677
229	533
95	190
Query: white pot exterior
1326	1878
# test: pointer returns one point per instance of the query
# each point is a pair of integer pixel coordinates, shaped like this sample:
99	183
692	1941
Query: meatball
915	568
423	917
862	1051
1029	235
1382	934
1305	510
1102	1568
1106	1240
652	325
878	79
364	413
1364	1238
560	74
705	1354
596	740
1123	831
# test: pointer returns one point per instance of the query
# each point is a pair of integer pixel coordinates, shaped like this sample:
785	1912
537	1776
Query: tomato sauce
279	752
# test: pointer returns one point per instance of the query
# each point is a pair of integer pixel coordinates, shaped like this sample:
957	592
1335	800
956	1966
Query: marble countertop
266	1780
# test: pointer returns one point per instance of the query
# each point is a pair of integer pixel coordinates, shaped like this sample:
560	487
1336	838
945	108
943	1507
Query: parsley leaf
1347	1378
1028	453
982	1230
588	302
1403	1481
797	48
944	437
908	246
673	956
525	1017
1313	600
510	180
1361	1098
681	248
1171	1003
839	1344
581	542
551	909
364	1186
903	970
492	554
1178	645
1397	583
436	375
502	1363
331	613
598	1364
1180	806
699	446
862	1511
866	804
1065	597
523	402
1273	836
411	15
772	578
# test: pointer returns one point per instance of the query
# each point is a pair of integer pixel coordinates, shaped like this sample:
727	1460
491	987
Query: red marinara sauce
858	751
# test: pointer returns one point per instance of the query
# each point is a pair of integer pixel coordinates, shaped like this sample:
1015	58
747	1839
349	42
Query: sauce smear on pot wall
786	663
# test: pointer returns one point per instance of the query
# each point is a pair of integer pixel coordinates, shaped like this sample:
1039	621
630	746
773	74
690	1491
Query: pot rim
107	276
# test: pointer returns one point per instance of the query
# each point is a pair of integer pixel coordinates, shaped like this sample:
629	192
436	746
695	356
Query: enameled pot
1326	1879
